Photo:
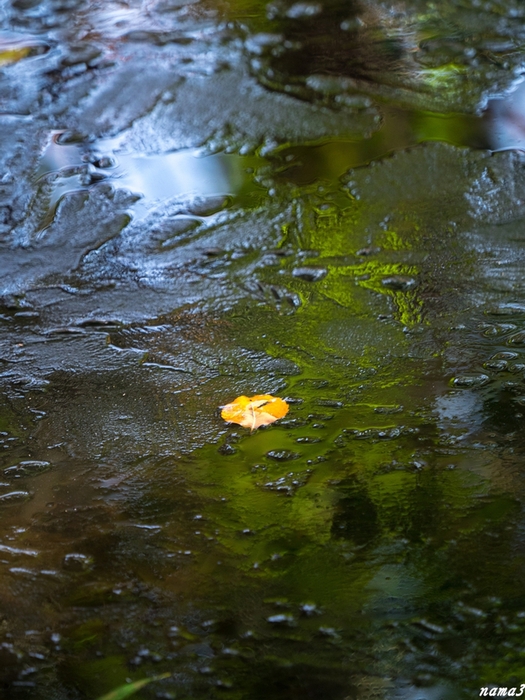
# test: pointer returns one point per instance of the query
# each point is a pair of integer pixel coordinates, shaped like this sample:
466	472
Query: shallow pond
322	201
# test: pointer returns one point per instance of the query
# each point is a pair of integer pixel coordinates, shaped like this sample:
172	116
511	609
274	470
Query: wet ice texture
179	82
167	77
397	292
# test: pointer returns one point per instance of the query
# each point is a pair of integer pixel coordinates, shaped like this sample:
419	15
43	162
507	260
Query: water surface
318	201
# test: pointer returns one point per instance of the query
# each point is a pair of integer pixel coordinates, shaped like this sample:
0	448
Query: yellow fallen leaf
13	54
254	411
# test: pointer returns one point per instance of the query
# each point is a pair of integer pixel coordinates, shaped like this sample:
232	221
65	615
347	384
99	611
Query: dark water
323	201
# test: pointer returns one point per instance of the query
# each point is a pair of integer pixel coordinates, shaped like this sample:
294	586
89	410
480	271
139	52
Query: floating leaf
124	691
254	411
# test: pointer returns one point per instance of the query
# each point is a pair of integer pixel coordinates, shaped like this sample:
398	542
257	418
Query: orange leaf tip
254	411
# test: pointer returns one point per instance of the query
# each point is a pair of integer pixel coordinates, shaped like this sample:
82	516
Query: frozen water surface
322	201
